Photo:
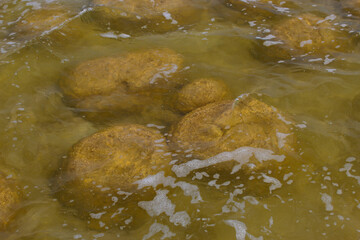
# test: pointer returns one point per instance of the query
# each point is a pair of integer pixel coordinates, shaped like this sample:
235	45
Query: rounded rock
9	200
149	15
306	34
123	83
229	125
259	8
43	19
200	93
100	174
352	6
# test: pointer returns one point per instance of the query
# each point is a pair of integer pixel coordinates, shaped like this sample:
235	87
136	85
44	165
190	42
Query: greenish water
319	196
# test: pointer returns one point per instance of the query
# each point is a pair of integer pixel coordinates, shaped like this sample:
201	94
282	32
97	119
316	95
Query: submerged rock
200	93
217	132
9	200
147	15
128	83
259	8
352	6
98	178
38	21
303	35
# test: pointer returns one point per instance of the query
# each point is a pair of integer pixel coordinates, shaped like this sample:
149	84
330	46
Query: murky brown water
316	195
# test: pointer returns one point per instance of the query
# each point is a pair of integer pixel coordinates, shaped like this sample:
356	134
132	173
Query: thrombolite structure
135	82
148	15
303	35
351	6
200	93
99	177
40	20
259	9
9	199
227	126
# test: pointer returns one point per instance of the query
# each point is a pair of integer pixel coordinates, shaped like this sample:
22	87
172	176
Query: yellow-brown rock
43	19
263	8
149	15
228	125
9	200
99	177
200	93
123	83
303	35
352	6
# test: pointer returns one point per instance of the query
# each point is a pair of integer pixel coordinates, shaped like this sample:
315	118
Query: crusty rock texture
99	177
43	19
304	35
129	83
228	125
9	200
149	15
200	93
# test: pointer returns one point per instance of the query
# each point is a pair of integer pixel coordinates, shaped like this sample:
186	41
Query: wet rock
147	15
259	9
98	178
128	83
9	199
303	35
217	132
351	6
200	93
40	20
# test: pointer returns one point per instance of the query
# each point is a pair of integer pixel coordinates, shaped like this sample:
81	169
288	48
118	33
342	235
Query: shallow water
316	197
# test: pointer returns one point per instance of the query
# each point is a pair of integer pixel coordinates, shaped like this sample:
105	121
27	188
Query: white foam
350	159
267	37
180	218
281	138
252	200
287	176
156	228
114	36
301	125
168	16
275	183
241	155
331	17
315	60
162	204
233	206
281	117
271	222
97	215
328	60
165	72
327	200
282	9
303	43
241	230
159	178
347	169
270	43
117	212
